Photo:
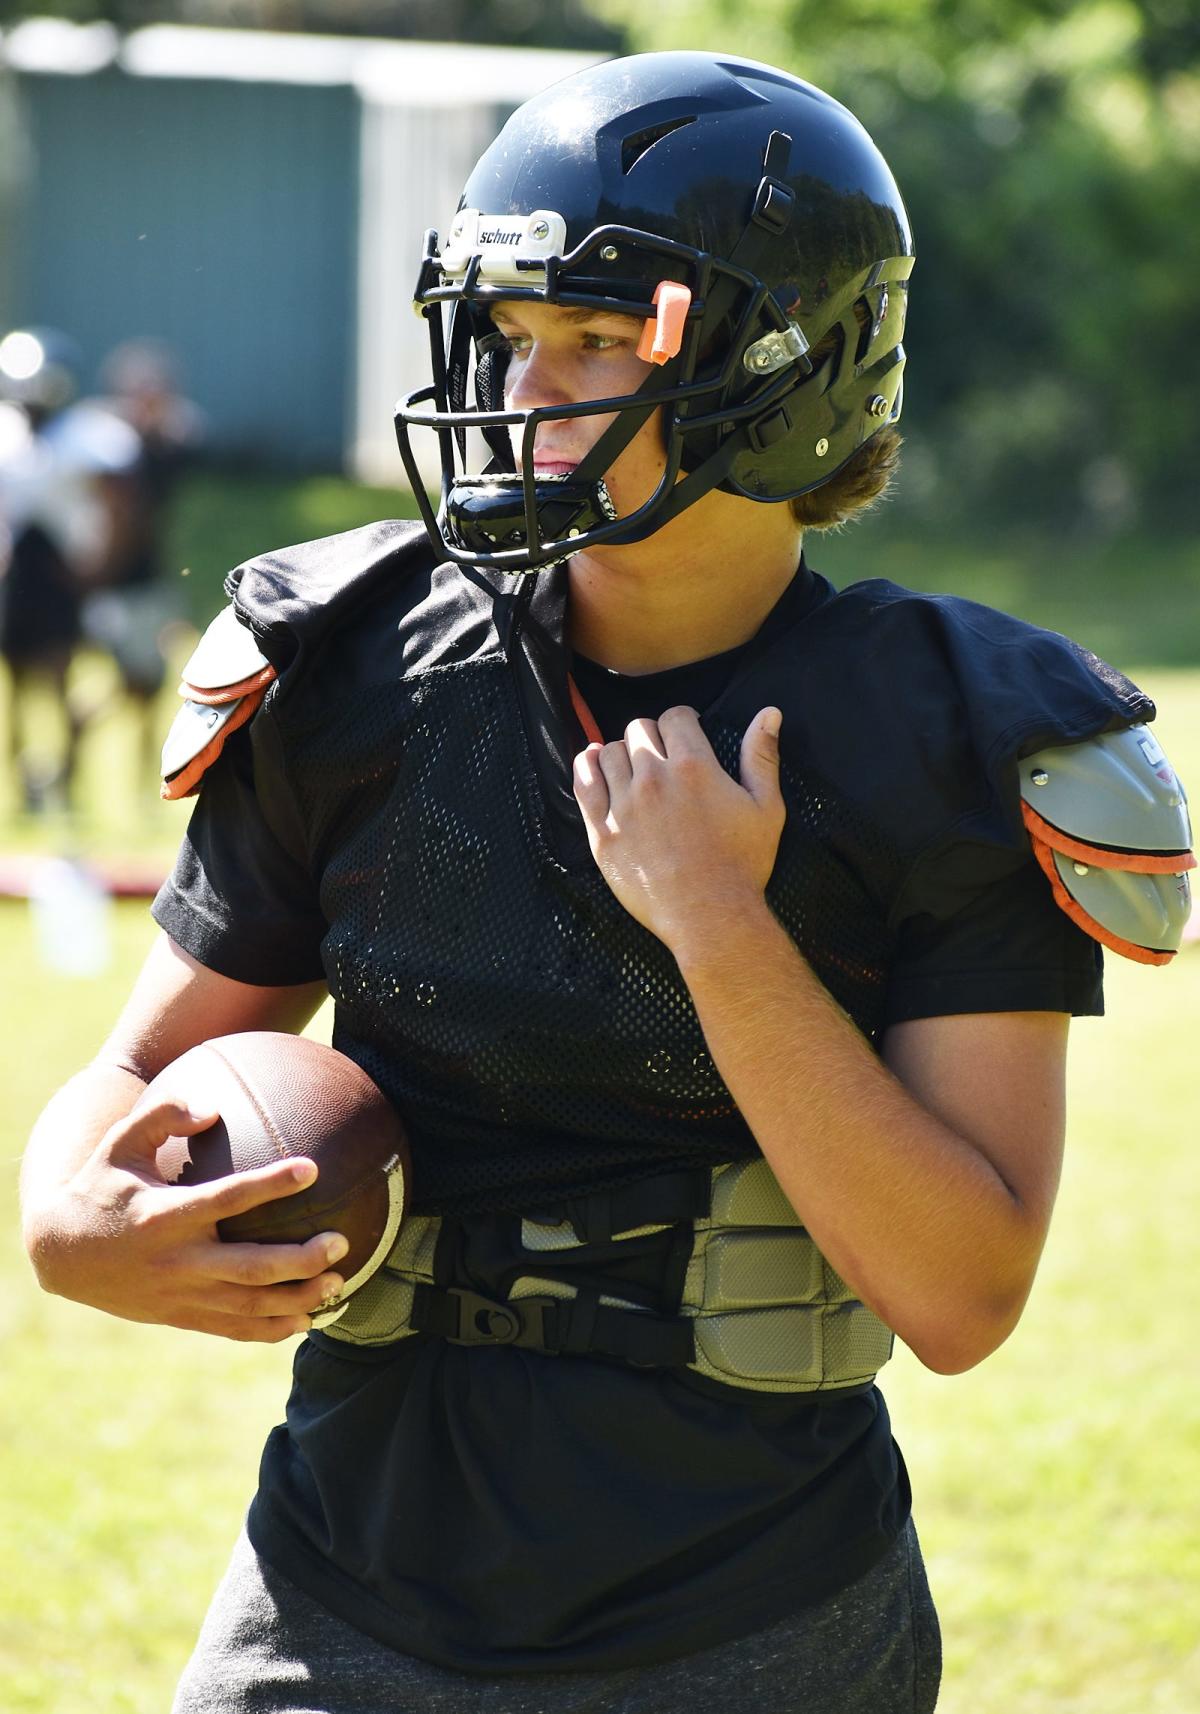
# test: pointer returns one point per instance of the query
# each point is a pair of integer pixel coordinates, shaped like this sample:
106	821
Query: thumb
760	757
134	1142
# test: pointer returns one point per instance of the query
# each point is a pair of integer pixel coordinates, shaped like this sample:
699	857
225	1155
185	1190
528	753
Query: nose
534	380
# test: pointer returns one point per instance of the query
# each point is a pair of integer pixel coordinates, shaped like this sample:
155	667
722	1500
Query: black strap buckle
769	429
482	1321
773	205
554	1325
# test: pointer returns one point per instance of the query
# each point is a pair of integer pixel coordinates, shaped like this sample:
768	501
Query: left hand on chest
679	841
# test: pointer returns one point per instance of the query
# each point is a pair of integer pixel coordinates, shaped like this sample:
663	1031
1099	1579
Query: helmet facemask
491	518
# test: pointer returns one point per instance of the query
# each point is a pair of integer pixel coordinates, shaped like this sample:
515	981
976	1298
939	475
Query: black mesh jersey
415	840
399	818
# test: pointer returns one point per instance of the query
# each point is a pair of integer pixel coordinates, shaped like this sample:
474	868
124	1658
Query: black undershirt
616	698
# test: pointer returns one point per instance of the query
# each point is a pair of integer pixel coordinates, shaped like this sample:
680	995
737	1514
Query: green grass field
1055	1485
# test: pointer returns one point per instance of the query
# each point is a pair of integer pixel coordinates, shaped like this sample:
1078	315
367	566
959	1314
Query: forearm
912	1215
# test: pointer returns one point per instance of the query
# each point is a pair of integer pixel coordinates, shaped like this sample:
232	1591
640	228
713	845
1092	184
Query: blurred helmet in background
39	369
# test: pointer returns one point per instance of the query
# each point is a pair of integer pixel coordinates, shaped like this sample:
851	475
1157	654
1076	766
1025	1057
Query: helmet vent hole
636	145
865	317
826	357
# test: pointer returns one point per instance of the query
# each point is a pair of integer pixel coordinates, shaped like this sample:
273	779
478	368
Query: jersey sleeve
999	943
238	899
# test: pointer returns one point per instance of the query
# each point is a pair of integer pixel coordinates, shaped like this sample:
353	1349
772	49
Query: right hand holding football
120	1238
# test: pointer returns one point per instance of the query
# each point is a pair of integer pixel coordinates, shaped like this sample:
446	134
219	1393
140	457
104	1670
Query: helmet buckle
768	430
773	205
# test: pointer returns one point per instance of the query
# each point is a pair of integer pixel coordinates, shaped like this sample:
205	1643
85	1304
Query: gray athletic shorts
268	1648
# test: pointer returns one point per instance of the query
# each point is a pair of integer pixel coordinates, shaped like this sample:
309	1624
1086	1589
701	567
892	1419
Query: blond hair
861	482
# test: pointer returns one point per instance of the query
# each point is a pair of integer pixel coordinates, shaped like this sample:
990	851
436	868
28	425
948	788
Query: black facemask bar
717	286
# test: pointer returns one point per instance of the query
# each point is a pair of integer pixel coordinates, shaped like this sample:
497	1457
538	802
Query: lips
553	466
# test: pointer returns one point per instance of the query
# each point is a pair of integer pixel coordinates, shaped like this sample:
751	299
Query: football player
716	933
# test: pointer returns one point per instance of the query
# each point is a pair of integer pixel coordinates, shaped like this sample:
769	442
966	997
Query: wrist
741	931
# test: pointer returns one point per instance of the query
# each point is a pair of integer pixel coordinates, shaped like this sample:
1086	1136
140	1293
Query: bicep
177	1002
998	1080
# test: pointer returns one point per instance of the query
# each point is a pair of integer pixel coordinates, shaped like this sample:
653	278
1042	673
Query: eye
590	339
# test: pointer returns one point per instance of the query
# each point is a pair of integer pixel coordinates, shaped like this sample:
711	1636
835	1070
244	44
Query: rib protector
766	1310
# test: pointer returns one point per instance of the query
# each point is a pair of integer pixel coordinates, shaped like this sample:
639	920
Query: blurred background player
130	608
55	456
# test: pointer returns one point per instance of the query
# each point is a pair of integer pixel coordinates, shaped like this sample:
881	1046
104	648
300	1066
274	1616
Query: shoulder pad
295	596
223	683
225	657
1109	826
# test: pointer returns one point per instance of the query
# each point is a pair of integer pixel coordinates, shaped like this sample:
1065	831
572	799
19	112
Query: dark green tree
548	23
1050	156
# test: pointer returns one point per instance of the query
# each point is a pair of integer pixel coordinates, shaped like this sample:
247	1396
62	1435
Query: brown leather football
282	1096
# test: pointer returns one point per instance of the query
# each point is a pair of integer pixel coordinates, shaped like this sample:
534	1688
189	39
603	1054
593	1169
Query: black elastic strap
659	1201
577	1327
648	1341
581	1325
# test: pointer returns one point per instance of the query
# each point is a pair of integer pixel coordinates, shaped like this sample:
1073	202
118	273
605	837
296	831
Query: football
282	1096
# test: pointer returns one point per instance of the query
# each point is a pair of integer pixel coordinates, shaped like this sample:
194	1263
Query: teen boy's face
565	356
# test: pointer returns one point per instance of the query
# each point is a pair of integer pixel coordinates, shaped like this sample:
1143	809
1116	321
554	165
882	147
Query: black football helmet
747	216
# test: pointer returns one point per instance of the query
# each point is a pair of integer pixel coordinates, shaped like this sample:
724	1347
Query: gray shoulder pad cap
225	655
224	682
192	731
1108	822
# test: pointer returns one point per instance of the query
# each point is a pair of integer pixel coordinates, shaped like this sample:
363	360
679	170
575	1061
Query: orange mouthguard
662	337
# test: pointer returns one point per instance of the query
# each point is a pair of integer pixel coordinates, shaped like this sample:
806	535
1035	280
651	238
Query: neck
682	596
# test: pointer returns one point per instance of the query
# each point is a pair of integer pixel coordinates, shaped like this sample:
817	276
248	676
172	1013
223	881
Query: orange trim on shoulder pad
662	337
1137	862
187	781
228	692
584	714
1087	922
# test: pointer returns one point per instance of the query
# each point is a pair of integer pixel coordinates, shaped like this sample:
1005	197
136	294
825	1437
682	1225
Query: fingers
643	742
676	735
677	730
256	1291
248	1264
682	733
616	766
137	1247
241	1191
247	1330
604	771
295	1300
591	788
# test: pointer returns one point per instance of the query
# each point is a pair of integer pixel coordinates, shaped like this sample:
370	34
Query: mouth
549	467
